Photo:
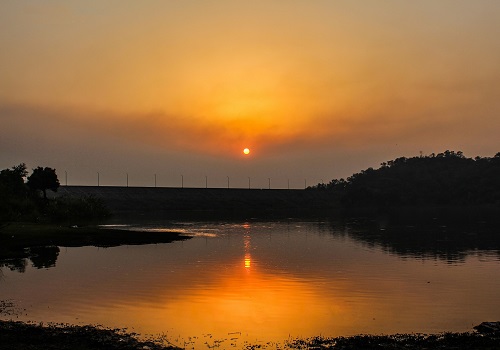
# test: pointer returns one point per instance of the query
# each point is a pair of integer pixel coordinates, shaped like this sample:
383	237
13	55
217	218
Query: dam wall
221	201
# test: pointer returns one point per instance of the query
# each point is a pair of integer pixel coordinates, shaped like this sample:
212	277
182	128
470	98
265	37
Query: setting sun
246	151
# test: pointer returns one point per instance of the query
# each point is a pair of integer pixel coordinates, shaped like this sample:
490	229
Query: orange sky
317	90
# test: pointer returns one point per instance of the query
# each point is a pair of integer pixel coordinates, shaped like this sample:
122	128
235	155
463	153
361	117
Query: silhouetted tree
12	181
13	193
43	179
16	203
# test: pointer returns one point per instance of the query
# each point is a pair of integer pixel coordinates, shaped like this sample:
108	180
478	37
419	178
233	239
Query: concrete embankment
163	200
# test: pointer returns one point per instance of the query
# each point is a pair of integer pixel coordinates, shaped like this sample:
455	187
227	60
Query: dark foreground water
255	281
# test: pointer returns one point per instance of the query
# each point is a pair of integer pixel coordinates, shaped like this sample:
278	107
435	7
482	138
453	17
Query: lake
268	281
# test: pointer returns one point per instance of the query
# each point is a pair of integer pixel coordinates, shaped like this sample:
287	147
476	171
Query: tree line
447	178
24	197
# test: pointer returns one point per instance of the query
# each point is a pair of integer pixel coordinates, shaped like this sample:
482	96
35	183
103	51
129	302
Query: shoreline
51	336
26	335
23	240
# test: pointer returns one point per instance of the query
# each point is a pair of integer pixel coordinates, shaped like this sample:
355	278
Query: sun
246	151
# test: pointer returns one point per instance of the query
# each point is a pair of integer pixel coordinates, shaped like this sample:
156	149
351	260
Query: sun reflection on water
247	245
248	261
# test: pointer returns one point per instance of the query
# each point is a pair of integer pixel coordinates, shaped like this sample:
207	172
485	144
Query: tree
43	179
12	181
13	192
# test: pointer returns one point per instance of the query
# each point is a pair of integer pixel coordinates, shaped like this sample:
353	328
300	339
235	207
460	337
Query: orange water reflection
256	284
259	305
249	301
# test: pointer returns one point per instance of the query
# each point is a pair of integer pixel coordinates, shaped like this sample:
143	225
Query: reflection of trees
446	239
41	257
18	265
44	257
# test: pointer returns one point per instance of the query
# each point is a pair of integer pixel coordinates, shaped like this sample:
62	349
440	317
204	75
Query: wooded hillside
446	178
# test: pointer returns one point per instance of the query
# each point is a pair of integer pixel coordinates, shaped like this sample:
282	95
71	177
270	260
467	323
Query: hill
448	178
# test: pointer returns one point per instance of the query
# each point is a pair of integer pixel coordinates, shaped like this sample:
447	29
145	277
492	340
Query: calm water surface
266	281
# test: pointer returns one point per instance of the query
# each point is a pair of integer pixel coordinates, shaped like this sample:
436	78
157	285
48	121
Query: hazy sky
316	89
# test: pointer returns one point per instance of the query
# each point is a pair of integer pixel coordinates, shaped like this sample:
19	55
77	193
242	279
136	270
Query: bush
84	208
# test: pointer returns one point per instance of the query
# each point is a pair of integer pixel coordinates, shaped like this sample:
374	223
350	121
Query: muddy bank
19	335
445	341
